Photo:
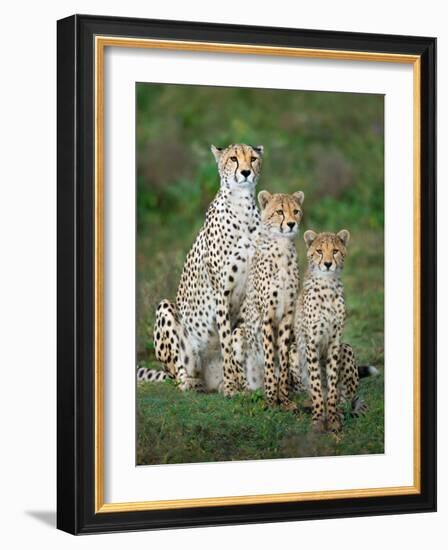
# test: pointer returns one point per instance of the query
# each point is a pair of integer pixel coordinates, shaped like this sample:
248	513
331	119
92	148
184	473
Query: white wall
27	274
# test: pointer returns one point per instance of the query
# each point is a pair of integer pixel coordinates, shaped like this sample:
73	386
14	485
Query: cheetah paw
335	425
289	406
193	384
318	425
230	391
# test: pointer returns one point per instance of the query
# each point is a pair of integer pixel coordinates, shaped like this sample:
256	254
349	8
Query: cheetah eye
253	159
234	159
280	212
319	250
296	212
335	250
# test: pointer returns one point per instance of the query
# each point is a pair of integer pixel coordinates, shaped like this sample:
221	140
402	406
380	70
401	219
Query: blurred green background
331	146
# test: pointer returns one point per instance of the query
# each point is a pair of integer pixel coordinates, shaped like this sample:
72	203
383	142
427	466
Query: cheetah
262	336
320	362
192	337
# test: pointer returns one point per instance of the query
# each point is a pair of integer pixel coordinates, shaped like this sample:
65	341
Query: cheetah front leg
231	379
173	349
315	384
239	355
332	368
270	376
297	365
283	340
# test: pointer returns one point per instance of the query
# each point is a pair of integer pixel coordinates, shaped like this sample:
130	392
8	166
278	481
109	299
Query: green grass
177	427
329	145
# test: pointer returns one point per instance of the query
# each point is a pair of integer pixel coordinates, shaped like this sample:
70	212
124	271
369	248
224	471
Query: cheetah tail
365	371
151	375
359	407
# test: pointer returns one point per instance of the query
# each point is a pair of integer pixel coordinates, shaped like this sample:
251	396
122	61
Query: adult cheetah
192	337
260	342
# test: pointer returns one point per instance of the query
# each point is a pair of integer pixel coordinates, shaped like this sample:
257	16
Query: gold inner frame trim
101	42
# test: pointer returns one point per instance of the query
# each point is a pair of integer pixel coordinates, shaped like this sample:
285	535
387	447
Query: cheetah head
239	165
326	251
281	213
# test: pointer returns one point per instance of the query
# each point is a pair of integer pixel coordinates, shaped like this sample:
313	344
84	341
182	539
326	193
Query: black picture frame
76	271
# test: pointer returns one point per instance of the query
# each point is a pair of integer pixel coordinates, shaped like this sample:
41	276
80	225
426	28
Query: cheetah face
239	165
326	251
281	213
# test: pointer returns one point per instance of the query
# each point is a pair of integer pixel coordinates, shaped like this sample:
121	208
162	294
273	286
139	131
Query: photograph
259	274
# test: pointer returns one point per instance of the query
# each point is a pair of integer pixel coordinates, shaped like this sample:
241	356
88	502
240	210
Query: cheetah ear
263	198
258	148
217	152
344	235
300	196
309	237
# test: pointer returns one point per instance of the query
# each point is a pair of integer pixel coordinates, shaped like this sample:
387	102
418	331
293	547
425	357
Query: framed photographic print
246	274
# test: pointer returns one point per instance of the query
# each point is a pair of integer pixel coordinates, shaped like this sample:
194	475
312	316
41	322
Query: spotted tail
151	375
364	371
359	406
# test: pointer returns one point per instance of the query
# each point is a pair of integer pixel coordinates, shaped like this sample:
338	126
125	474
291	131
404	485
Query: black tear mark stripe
283	219
321	259
237	165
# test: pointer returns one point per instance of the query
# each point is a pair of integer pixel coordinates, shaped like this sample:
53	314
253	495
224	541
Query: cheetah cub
260	343
319	320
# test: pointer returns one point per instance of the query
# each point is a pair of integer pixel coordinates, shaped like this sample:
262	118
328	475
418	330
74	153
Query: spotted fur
320	362
151	375
192	337
260	343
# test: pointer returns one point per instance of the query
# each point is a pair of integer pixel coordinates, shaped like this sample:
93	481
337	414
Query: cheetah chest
284	286
237	228
325	311
239	270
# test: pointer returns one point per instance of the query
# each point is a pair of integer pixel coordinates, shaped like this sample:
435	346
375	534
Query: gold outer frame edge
101	42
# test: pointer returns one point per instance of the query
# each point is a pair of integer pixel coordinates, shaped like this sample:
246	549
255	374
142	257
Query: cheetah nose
291	225
327	265
245	173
